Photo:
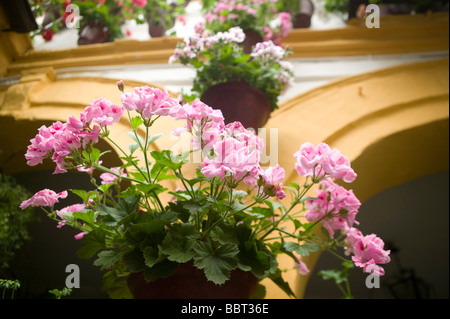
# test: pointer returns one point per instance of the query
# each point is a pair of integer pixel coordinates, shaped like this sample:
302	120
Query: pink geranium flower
301	267
368	251
108	178
149	101
272	178
45	198
334	204
321	161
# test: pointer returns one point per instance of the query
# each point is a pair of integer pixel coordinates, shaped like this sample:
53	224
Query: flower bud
121	85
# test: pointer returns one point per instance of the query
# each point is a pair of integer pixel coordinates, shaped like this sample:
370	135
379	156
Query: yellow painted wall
388	122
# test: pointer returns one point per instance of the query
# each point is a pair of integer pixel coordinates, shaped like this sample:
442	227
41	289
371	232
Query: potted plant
224	70
301	11
260	20
101	20
160	14
224	222
53	17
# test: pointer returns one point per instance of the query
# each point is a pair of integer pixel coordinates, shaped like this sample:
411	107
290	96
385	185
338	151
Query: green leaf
135	122
153	138
302	250
115	286
337	275
134	260
88	216
93	242
167	158
149	227
108	258
111	215
136	138
281	283
256	256
217	262
151	256
84	195
133	147
161	270
179	242
150	188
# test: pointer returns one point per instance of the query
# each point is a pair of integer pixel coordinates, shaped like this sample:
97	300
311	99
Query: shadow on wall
41	264
413	218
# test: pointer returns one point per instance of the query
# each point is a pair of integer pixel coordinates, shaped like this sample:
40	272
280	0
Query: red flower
47	35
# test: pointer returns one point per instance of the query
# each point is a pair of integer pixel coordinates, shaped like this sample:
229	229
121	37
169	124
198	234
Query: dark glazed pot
156	30
303	18
93	32
239	101
188	282
251	38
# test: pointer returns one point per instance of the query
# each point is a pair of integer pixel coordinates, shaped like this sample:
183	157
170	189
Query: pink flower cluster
280	29
229	9
139	3
231	150
45	198
321	161
368	251
148	101
268	51
200	41
59	140
76	208
334	205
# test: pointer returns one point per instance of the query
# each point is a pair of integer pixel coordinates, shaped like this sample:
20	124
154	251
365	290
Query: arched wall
392	124
389	123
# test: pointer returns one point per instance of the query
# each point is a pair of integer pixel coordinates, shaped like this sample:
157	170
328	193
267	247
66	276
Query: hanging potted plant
160	14
224	71
52	15
301	11
259	19
101	20
225	223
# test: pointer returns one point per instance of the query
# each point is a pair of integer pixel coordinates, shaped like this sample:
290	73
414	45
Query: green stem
295	203
107	170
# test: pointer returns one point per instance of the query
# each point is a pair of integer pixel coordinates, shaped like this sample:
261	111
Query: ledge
398	34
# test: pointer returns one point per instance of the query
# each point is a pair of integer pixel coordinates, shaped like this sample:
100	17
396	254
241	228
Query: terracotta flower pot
93	32
239	101
303	18
156	30
251	38
188	282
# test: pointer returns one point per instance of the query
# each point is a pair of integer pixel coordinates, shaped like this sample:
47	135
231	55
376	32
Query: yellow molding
397	34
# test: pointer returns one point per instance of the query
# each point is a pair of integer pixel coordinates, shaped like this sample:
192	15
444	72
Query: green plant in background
260	17
109	13
61	293
219	59
13	221
9	285
340	277
50	14
163	13
337	6
341	6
